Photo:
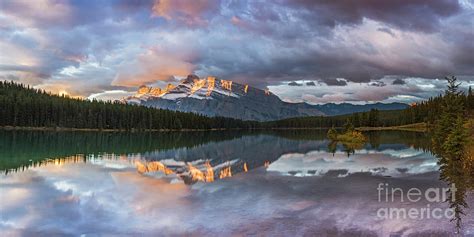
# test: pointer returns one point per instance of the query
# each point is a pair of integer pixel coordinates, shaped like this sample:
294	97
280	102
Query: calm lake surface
265	183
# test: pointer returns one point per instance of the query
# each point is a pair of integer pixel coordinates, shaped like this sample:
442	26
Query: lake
220	183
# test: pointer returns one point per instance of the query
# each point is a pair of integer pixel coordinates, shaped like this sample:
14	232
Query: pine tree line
26	107
450	144
426	111
372	118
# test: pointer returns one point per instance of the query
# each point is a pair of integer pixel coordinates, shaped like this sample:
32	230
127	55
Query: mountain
22	106
332	109
233	156
213	97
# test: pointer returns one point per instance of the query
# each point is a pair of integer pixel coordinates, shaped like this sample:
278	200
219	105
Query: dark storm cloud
335	82
294	83
294	24
58	35
418	15
109	44
398	81
387	30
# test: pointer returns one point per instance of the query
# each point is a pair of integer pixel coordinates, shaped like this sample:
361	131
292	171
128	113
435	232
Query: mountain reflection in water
218	154
213	183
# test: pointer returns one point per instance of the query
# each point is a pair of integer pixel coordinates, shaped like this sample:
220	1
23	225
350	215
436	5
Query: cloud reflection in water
111	197
385	162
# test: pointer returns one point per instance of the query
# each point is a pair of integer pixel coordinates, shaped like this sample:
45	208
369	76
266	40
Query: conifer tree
22	106
452	108
348	126
449	141
332	133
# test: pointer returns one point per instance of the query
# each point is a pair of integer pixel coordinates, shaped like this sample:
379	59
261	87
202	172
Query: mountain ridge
214	97
333	109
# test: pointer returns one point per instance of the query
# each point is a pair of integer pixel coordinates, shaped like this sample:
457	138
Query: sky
315	51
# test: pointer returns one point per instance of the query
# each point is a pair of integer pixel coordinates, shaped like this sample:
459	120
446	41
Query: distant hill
332	109
212	97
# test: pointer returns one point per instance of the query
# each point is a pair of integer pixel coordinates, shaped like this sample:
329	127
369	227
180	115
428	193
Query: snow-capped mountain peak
217	97
192	87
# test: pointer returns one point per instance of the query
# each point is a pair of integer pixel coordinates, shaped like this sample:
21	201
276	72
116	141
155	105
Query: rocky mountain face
225	158
213	97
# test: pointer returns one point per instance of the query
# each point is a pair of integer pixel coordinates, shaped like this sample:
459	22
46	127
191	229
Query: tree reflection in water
458	171
453	146
348	147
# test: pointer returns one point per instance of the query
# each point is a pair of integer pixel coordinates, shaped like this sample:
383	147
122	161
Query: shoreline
62	129
418	127
415	127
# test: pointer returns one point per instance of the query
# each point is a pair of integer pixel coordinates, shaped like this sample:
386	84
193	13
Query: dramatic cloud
190	13
377	83
294	196
88	47
414	89
336	82
387	30
155	64
294	83
44	13
398	81
403	14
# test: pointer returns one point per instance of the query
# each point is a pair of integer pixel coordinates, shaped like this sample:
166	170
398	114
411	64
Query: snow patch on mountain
215	97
